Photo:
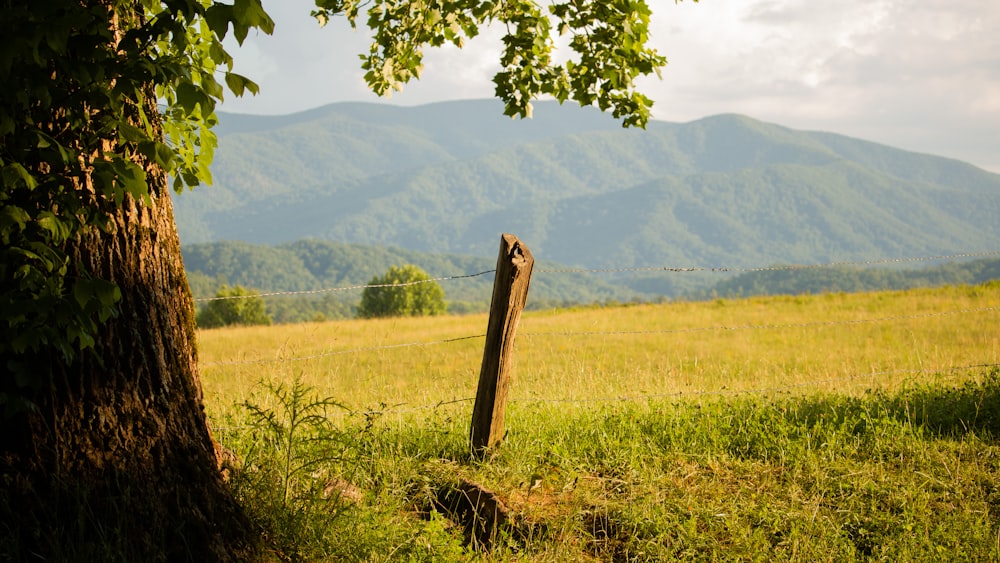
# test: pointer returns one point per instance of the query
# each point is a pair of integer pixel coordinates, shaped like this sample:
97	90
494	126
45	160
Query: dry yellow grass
839	342
711	470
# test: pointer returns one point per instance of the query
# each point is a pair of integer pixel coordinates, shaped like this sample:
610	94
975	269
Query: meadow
831	427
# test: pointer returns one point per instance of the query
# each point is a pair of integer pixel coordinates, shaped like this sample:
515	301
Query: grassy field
828	427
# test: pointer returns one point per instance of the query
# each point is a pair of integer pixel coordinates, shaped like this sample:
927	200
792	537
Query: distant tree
237	306
404	291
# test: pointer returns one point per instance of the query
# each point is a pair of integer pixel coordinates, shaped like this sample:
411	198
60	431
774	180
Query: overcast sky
921	75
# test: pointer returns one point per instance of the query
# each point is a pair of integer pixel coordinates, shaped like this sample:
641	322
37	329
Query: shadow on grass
938	410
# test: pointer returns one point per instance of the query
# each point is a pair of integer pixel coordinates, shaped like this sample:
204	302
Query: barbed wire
715	328
743	269
633	398
774	268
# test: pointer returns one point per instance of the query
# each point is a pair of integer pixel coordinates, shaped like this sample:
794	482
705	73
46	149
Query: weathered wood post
510	293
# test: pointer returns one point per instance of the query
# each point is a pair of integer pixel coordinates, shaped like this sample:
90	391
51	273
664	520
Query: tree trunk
116	462
120	440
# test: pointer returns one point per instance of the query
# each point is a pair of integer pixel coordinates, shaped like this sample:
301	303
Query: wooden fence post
510	293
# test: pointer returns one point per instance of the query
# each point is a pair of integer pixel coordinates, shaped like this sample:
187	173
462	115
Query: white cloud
923	76
919	75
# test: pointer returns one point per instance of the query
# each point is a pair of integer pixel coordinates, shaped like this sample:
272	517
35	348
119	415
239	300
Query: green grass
811	437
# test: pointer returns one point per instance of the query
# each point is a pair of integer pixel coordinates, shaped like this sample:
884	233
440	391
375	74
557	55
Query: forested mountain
450	177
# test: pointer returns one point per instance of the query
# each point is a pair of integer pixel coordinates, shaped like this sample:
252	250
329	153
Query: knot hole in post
515	252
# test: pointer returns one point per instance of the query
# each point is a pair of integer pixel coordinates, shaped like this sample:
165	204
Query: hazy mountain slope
464	128
758	216
268	161
578	189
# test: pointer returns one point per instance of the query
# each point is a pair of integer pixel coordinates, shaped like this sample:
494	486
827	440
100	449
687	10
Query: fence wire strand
346	288
402	408
776	268
716	328
742	269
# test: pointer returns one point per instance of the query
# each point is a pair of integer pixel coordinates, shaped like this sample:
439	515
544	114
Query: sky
920	75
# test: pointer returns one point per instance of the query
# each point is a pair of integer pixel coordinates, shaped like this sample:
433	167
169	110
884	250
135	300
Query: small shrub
288	480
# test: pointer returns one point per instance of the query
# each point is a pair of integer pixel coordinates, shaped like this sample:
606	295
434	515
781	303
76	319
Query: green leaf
29	255
97	295
240	32
44	141
15	175
82	293
219	54
236	83
9	217
57	227
211	86
218	17
130	178
130	133
159	153
79	335
251	86
191	178
189	96
250	14
6	125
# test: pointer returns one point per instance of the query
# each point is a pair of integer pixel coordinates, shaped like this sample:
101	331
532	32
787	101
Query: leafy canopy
608	41
404	291
96	97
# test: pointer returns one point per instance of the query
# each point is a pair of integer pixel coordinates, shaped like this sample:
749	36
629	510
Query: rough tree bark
118	451
124	429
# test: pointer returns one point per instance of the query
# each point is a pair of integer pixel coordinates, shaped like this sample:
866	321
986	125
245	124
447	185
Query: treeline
849	279
310	265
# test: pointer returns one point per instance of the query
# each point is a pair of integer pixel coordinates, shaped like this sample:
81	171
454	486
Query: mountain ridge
449	177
